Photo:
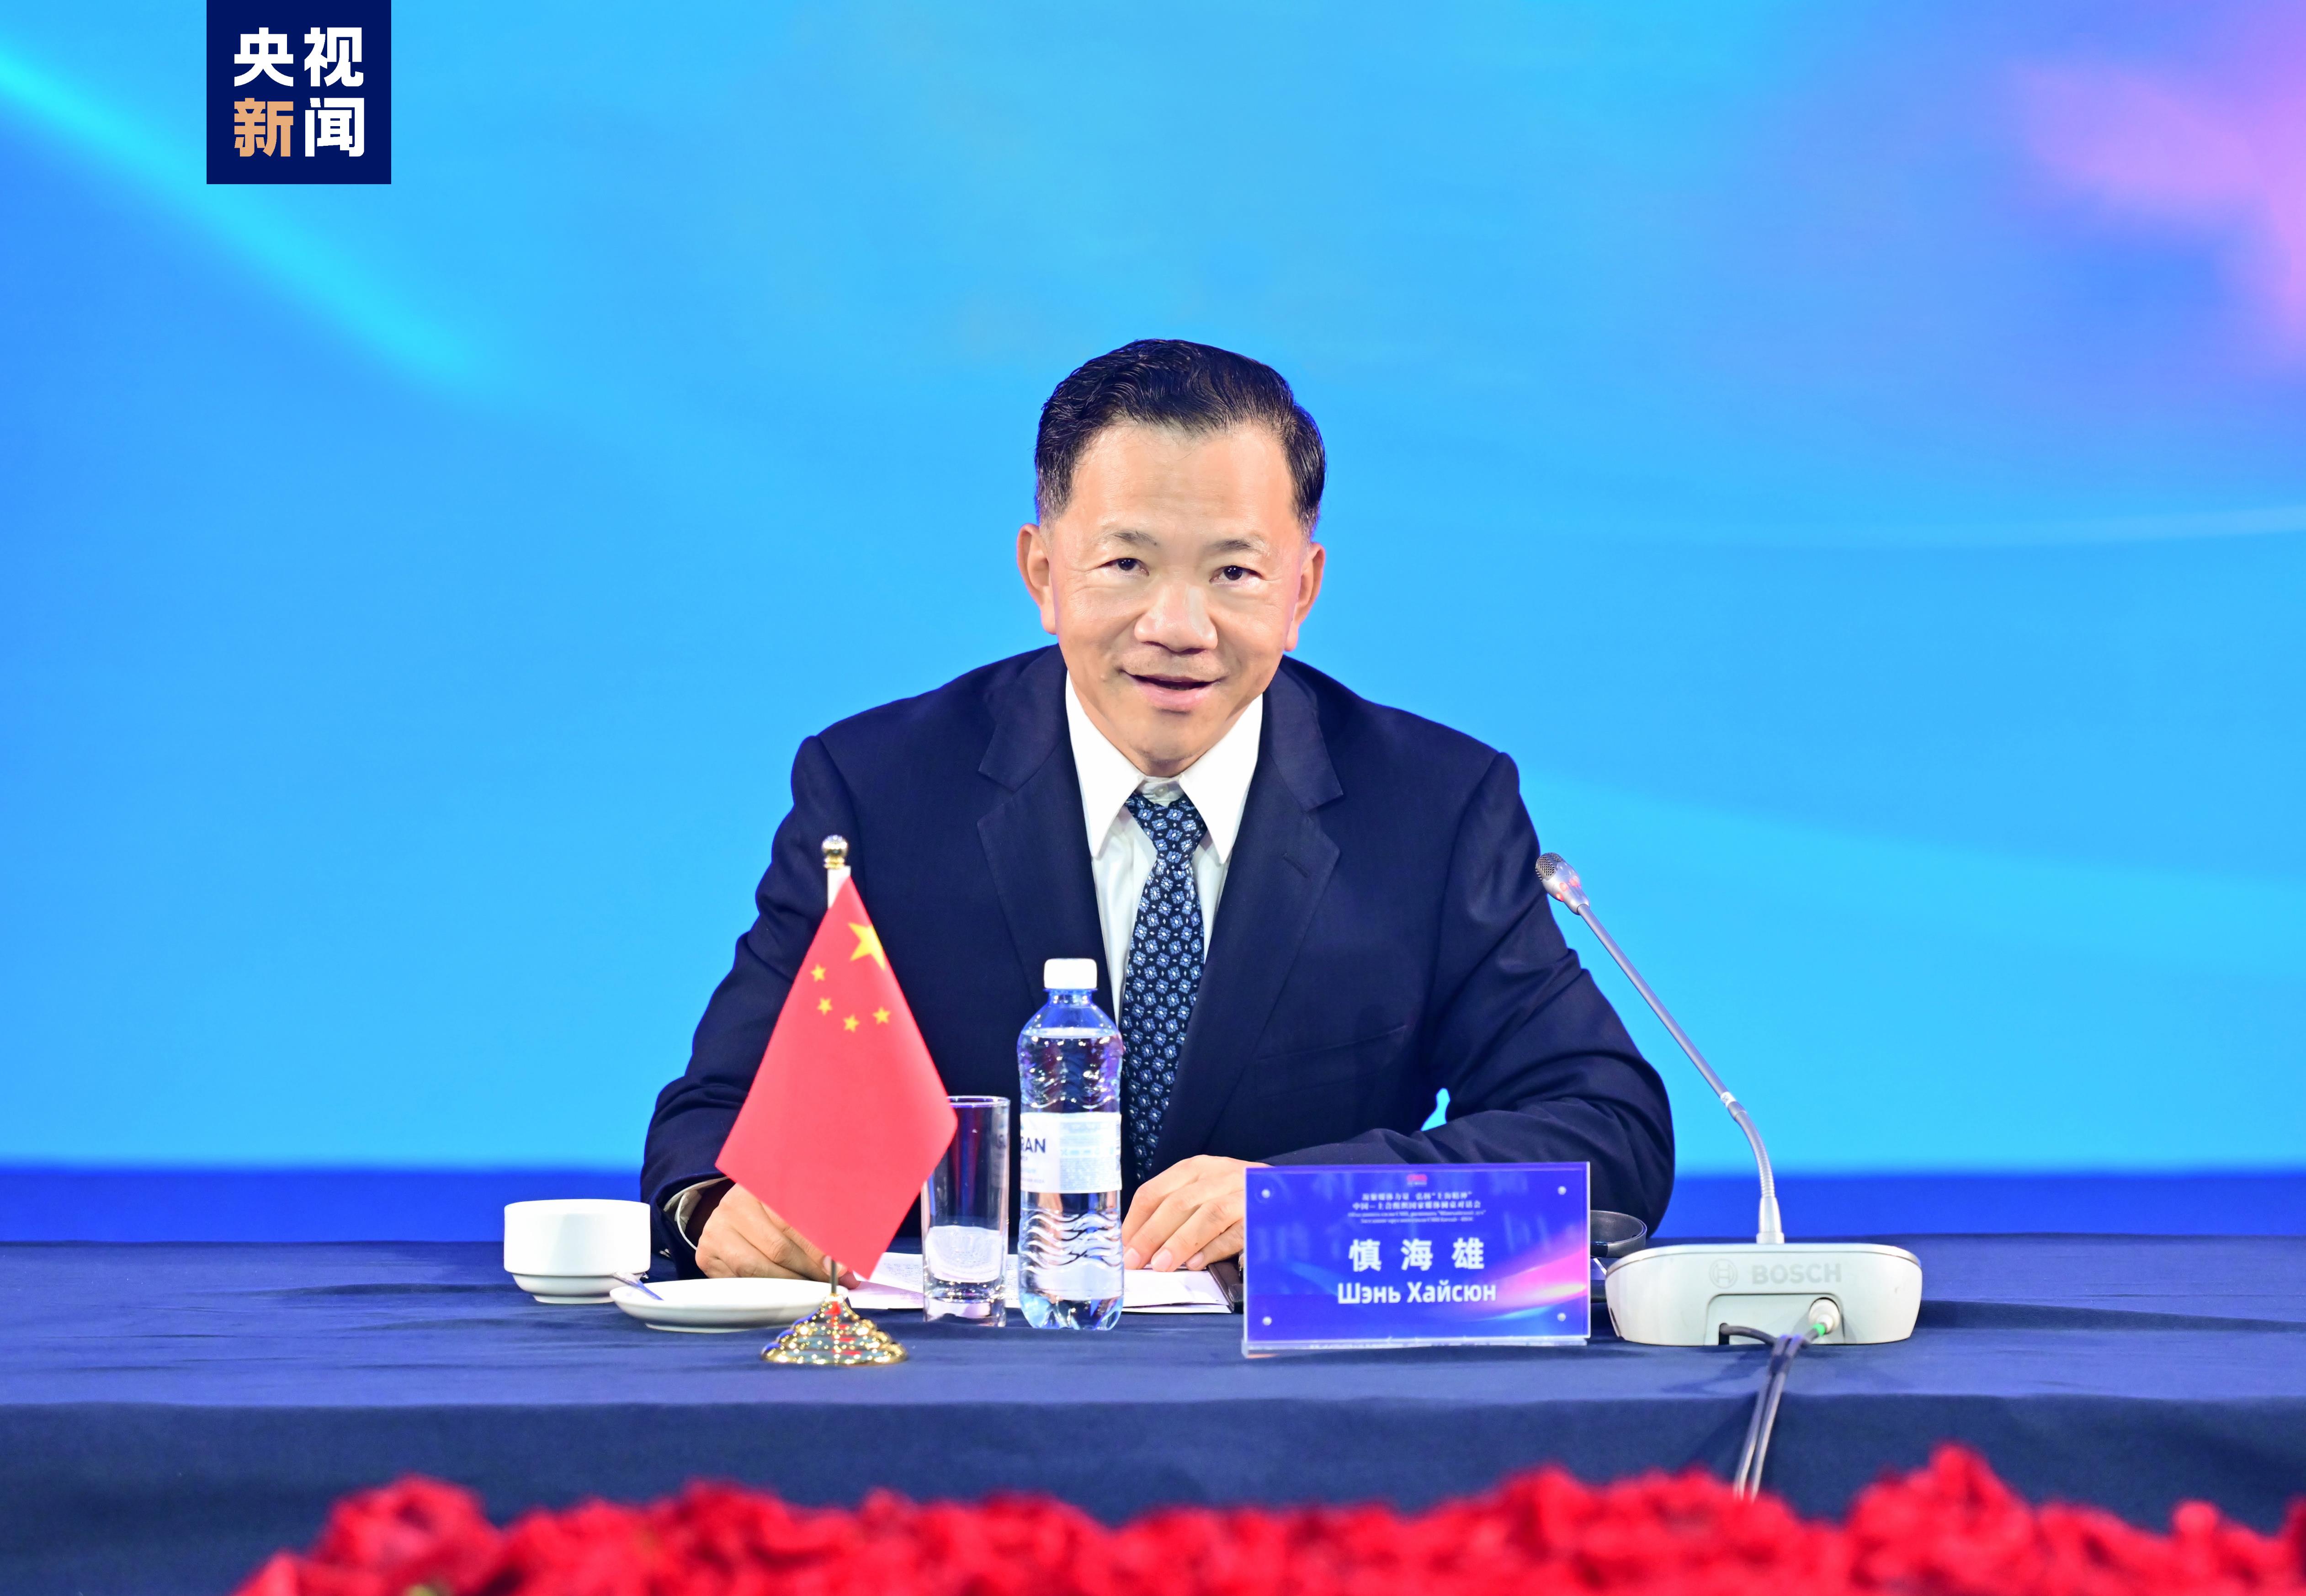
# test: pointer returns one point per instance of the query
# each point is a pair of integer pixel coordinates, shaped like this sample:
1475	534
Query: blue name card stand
1428	1255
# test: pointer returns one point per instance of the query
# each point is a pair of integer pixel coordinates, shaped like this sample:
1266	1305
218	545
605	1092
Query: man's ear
1309	587
1034	564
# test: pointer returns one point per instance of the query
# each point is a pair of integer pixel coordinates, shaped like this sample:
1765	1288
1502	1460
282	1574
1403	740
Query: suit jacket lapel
1281	862
1032	838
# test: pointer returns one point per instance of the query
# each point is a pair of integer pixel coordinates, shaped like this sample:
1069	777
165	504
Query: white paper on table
1172	1290
896	1284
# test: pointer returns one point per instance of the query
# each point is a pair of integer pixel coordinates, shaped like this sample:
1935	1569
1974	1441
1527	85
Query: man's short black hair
1168	382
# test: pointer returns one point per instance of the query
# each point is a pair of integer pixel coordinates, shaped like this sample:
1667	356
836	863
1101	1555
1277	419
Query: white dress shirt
1121	855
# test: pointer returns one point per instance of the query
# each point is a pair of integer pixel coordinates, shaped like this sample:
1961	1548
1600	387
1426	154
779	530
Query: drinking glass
965	1217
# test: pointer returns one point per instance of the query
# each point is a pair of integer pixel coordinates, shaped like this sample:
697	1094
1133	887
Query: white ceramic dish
561	1290
568	1250
710	1305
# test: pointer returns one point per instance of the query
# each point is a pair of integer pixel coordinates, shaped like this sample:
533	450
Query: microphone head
1560	882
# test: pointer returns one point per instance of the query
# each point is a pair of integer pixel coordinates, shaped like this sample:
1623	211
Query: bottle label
1070	1154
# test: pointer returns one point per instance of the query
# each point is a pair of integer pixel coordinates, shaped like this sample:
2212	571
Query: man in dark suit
1339	901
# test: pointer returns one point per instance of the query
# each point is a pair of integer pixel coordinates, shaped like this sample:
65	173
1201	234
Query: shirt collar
1217	781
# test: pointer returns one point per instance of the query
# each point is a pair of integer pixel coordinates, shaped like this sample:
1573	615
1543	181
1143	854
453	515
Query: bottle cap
1070	974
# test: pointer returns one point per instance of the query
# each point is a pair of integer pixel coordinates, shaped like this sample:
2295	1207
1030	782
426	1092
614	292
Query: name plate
1424	1255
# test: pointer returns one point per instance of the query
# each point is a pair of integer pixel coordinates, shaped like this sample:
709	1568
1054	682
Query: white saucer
566	1289
719	1304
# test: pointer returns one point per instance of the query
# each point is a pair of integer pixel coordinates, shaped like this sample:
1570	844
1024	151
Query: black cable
1781	1363
1753	1424
1763	1422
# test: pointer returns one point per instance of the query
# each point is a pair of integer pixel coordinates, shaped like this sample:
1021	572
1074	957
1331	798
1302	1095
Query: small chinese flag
847	1115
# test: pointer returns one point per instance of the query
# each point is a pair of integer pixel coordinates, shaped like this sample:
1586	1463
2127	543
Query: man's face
1174	580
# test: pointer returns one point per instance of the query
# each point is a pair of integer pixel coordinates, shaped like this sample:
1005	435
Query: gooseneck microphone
1701	1293
1554	873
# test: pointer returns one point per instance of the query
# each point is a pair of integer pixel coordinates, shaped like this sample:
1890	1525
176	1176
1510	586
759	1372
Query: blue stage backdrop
1847	454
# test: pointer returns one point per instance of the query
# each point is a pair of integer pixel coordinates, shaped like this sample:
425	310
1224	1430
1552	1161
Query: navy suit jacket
1381	936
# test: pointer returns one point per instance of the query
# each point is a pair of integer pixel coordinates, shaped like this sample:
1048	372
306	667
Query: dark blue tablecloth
171	1412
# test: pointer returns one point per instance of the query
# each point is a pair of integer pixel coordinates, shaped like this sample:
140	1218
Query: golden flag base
835	1336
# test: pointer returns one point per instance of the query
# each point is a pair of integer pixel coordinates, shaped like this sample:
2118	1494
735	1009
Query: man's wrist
690	1208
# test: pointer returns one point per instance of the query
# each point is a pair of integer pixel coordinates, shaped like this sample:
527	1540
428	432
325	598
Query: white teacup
572	1249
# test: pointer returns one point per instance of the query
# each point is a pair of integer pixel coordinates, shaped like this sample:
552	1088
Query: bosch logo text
1796	1273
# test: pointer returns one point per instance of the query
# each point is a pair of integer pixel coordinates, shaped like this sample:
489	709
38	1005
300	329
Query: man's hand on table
1188	1217
743	1235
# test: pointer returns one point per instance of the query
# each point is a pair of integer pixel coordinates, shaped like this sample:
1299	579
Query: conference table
173	1413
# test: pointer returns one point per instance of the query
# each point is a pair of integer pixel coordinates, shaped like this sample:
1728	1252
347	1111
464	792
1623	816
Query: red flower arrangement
1951	1529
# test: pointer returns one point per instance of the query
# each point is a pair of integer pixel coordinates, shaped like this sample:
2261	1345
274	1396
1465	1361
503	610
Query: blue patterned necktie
1165	972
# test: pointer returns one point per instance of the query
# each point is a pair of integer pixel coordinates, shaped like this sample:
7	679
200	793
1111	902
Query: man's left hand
1187	1217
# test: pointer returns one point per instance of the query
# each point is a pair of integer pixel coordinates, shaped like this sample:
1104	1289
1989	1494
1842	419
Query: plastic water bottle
1069	1141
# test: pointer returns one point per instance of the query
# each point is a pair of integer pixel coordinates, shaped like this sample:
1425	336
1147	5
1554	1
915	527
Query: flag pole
836	1336
836	867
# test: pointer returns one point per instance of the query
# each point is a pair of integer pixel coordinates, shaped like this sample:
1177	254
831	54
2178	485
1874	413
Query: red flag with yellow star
847	1115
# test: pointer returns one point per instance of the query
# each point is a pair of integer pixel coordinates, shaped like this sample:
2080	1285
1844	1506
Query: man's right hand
744	1236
